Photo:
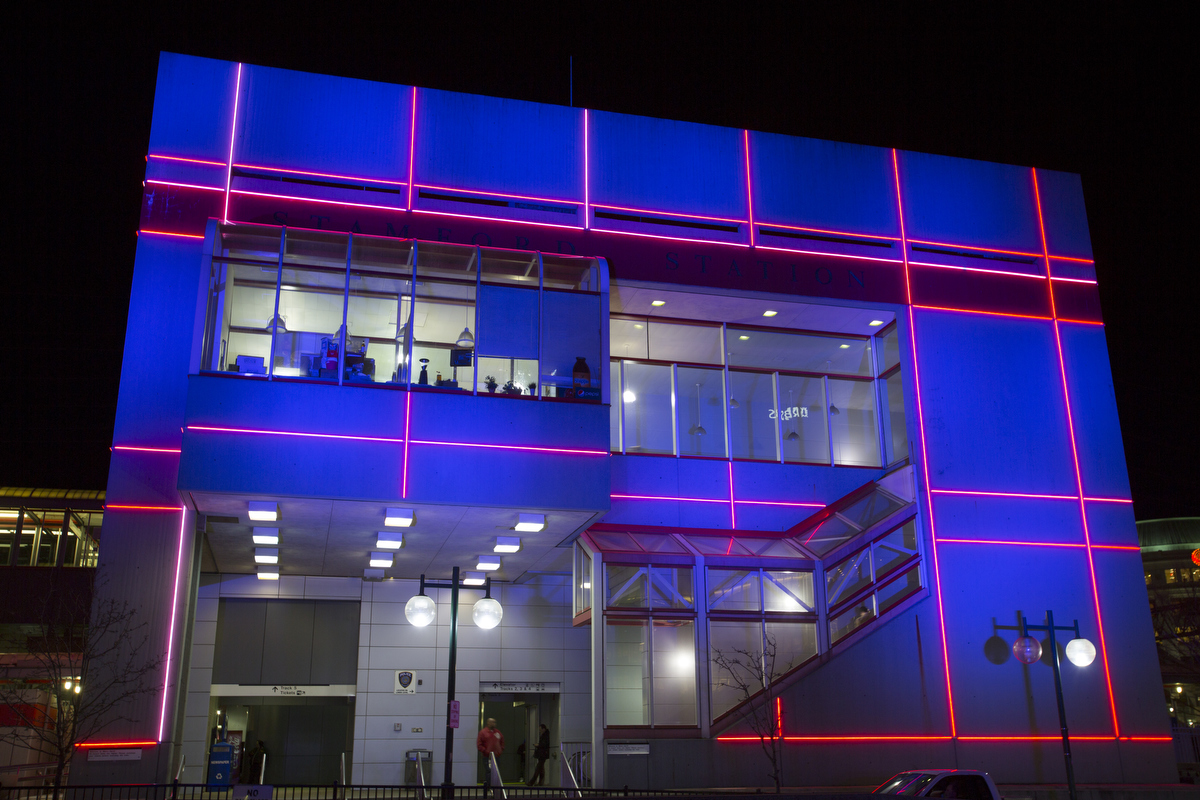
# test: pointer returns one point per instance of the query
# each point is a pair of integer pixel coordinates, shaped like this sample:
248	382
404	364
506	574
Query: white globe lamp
487	613
1027	649
1081	652
420	610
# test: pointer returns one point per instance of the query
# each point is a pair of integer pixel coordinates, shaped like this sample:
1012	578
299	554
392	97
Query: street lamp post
1080	652
420	610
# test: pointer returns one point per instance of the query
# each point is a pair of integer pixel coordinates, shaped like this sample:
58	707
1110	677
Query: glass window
752	416
701	413
626	672
718	546
614	541
572	328
890	342
507	376
803	420
671	587
694	344
827	534
379	311
627	586
570	273
795	643
582	579
308	333
796	352
674	672
315	249
852	619
904	586
852	423
659	543
1170	576
897	431
894	549
849	576
443	344
447	261
513	267
627	338
735	640
648	400
788	590
733	590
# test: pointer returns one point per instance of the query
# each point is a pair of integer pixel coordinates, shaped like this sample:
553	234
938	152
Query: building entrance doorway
519	717
304	738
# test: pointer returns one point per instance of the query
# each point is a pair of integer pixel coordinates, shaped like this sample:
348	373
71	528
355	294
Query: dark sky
1086	90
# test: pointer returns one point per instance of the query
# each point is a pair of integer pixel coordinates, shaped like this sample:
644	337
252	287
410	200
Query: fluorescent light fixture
381	559
507	544
770	313
474	579
875	323
266	536
843	347
389	541
264	511
268	573
744	338
530	523
639	326
266	555
488	563
373	574
398	518
658	303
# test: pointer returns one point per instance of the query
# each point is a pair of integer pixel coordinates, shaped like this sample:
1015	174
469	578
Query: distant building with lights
678	390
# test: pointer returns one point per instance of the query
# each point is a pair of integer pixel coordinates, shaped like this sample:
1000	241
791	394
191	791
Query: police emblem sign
406	682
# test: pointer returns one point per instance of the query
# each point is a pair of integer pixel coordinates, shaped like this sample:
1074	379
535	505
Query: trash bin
411	759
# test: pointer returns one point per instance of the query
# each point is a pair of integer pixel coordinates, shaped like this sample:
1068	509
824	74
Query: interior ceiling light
843	347
657	303
474	579
770	313
381	559
639	326
398	518
875	323
507	544
834	410
264	511
266	555
530	523
389	541
266	536
628	396
488	563
372	574
744	338
268	573
465	339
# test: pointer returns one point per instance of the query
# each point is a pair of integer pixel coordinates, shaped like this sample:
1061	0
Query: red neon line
1072	280
912	326
841	738
495	194
1147	739
189	160
145	449
778	716
294	433
780	503
587	208
232	133
316	200
162	714
495	219
732	505
1035	738
412	140
656	497
115	744
1005	494
1021	544
320	174
1080	321
668	213
1069	258
1062	368
140	508
978	269
1107	500
729	549
517	447
171	233
762	224
831	255
987	313
749	191
980	249
186	185
407	418
1134	548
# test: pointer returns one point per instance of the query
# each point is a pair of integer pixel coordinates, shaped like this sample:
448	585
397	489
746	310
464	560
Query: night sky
1082	90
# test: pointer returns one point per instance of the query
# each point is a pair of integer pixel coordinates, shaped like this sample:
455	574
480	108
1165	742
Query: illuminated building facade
745	388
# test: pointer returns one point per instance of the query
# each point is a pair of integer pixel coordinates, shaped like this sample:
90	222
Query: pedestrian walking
541	752
490	741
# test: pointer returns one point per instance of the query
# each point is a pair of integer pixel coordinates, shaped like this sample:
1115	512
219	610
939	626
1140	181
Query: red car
961	783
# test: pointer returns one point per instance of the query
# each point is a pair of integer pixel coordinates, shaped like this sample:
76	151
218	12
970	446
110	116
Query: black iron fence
191	791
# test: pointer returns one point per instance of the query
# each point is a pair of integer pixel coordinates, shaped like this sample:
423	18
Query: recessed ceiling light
875	323
628	396
381	559
639	326
488	563
266	536
530	523
389	541
744	338
264	511
658	302
770	313
843	347
266	555
268	573
398	517
507	544
474	579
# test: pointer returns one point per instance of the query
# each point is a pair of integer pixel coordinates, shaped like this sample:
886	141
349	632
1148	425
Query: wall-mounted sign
529	687
454	713
642	749
115	754
790	413
283	690
246	791
406	682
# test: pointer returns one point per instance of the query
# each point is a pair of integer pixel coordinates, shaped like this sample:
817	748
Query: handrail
179	772
421	774
567	764
343	773
262	770
496	772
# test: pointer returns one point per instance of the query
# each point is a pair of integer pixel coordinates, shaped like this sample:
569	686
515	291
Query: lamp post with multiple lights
421	610
1080	652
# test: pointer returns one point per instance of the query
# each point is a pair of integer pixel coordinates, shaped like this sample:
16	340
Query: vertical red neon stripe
237	91
412	138
407	417
912	332
732	510
1087	539
749	191
587	206
162	713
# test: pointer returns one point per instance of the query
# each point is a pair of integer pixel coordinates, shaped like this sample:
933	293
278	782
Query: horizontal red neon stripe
188	160
517	447
1074	738
187	185
315	200
977	249
295	433
680	499
319	174
780	503
668	238
896	261
116	744
1132	547
670	214
1072	280
1001	541
497	219
498	194
977	311
762	224
841	738
1070	258
145	449
1081	321
1006	494
1107	500
977	269
142	508
170	233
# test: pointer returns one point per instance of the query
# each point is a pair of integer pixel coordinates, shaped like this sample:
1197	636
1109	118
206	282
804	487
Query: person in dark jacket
541	752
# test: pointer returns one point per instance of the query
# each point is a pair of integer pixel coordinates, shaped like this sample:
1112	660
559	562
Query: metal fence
192	791
1187	744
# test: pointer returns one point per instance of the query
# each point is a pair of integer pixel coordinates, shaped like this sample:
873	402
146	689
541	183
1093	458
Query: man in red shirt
490	740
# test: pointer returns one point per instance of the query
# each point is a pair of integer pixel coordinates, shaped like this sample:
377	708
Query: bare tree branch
752	673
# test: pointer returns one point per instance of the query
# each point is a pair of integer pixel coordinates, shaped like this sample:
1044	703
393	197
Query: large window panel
890	354
853	618
896	548
847	577
443	338
244	309
671	587
379	310
674	671
733	639
752	416
694	344
614	408
795	352
626	672
803	420
733	590
571	331
308	336
795	643
627	586
852	423
648	402
701	413
897	438
788	590
627	338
